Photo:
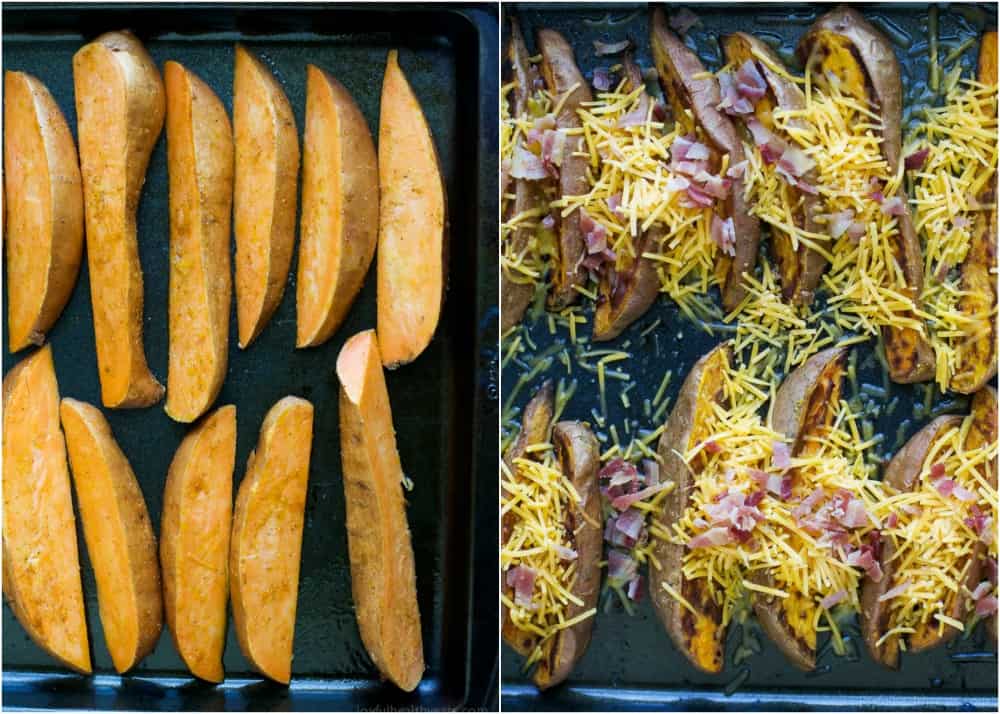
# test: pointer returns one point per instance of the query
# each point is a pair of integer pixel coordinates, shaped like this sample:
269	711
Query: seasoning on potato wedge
383	575
200	168
264	199
266	542
120	106
119	535
340	213
43	184
41	567
558	487
412	235
194	542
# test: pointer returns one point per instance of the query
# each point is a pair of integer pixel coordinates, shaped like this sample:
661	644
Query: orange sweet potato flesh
200	167
118	533
267	171
383	576
45	239
41	567
412	238
266	541
339	208
120	105
194	542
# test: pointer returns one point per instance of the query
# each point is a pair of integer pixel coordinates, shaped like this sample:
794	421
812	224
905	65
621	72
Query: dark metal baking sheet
444	407
631	662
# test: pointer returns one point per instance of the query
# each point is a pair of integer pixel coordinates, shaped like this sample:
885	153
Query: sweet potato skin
383	573
561	75
45	241
194	542
118	533
266	542
678	68
340	208
120	107
701	640
264	199
413	237
200	167
46	596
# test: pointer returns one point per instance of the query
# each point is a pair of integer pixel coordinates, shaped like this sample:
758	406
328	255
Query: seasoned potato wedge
843	43
383	575
339	208
699	636
799	270
693	97
120	105
200	167
568	89
41	567
119	535
266	543
194	542
267	170
412	232
45	243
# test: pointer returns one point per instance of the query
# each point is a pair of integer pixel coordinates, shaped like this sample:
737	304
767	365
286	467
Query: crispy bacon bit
724	234
651	472
623	502
894	206
986	606
566	553
526	165
855	514
602	49
621	567
962	493
856	231
755	498
895	591
864	558
916	160
522	579
795	163
711	537
614	204
877	196
696	152
839	222
677	184
808	502
832	599
781	455
635	589
937	470
715	186
630	522
602	79
750	82
892	520
945	486
712	447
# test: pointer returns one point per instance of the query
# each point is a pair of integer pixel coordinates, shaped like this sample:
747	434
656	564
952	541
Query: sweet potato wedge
624	294
799	270
804	406
118	533
120	106
693	98
45	243
700	637
41	567
568	88
843	43
383	575
266	543
200	167
413	220
339	208
264	200
194	542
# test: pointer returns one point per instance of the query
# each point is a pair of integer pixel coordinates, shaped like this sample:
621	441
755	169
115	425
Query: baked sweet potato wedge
383	574
412	231
194	542
264	200
799	269
569	90
693	97
845	45
120	106
699	635
119	535
340	211
41	566
266	543
200	168
45	243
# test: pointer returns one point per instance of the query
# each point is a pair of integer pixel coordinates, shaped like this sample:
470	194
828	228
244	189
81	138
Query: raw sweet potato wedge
412	232
984	431
383	577
120	105
194	542
266	542
45	242
267	171
200	167
41	567
119	535
339	208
